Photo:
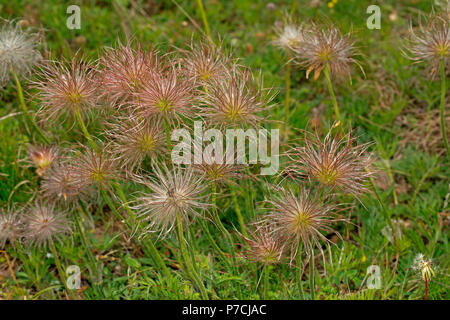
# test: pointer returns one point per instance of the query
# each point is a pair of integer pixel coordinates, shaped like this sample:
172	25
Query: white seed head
18	51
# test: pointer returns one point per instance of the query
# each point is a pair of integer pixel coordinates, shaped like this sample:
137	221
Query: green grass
382	107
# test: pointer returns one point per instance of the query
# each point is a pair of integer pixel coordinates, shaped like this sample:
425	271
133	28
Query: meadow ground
394	105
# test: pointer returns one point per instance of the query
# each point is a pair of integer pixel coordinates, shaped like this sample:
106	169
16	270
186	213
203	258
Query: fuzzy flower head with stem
59	183
11	226
133	140
236	100
424	266
45	224
218	171
18	51
124	70
262	245
325	47
42	158
205	61
289	36
166	96
67	89
431	42
94	170
334	162
300	218
174	192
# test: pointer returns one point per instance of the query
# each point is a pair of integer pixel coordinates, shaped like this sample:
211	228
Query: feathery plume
59	183
262	245
11	226
431	42
124	71
67	89
424	266
325	47
94	170
236	100
18	51
334	162
44	224
300	218
173	192
166	96
218	171
204	61
289	36
133	140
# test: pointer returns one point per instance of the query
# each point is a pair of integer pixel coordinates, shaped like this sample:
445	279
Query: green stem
238	210
333	96
311	277
24	260
443	88
213	243
95	265
86	133
25	108
148	244
205	20
61	272
168	139
190	268
287	98
299	272
266	281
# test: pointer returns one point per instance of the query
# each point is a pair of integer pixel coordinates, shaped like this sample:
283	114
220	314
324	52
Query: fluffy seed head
263	247
431	42
424	266
218	173
10	226
44	224
42	158
94	169
323	47
59	183
333	162
124	70
18	51
172	193
289	36
300	218
204	61
133	140
65	89
166	96
235	100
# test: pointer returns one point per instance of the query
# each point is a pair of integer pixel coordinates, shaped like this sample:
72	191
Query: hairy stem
238	210
147	243
83	128
311	277
443	91
299	272
205	20
333	96
213	243
190	268
168	140
62	274
25	108
266	282
287	98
